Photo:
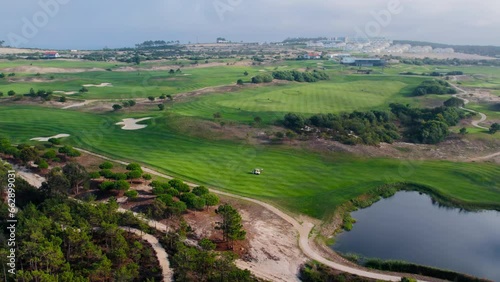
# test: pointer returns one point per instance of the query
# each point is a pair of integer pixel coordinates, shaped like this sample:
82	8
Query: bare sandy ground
65	93
131	123
45	139
45	70
7	51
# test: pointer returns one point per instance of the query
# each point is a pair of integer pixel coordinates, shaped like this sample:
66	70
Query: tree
206	244
147	176
151	98
32	92
294	122
11	93
57	184
161	107
162	97
171	71
62	99
83	90
169	97
131	103
200	190
231	226
76	174
494	128
117	107
134	174
134	166
240	82
122	185
28	154
463	131
179	185
246	73
454	102
137	59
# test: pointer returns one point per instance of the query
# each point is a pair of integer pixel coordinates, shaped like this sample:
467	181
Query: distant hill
491	51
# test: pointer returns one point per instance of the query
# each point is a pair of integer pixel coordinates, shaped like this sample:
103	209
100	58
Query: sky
95	24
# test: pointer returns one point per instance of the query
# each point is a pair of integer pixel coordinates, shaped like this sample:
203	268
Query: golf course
298	180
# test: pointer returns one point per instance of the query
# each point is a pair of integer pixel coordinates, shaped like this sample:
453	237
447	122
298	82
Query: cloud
96	23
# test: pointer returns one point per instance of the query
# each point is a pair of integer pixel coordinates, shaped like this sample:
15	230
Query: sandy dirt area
7	51
65	93
45	139
45	70
131	123
104	84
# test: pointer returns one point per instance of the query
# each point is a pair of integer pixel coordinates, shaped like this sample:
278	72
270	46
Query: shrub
134	166
107	173
147	177
50	154
172	191
107	185
106	165
120	176
122	185
94	175
179	185
132	194
211	199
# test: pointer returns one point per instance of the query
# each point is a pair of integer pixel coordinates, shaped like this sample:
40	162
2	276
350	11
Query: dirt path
161	254
303	229
464	92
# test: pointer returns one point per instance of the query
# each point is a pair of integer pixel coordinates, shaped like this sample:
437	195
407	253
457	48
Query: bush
131	194
107	173
106	165
147	177
94	175
134	174
50	154
55	141
43	164
211	199
262	78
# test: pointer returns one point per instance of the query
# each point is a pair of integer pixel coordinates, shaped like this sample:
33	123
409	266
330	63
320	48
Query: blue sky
85	24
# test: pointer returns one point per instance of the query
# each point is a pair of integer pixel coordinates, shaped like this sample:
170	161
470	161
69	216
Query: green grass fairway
298	181
341	94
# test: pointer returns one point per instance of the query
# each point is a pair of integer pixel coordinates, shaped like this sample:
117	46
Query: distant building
363	62
312	56
221	40
52	55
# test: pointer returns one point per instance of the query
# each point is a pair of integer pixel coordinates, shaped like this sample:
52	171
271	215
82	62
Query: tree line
427	126
434	87
293	75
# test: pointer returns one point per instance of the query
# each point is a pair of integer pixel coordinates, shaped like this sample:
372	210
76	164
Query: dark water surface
409	227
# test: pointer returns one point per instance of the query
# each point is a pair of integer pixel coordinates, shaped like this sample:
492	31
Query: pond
410	227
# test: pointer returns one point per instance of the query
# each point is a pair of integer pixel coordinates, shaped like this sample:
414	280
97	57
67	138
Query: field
296	180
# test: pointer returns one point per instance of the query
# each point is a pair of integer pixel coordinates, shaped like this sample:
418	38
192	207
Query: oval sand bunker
46	139
131	123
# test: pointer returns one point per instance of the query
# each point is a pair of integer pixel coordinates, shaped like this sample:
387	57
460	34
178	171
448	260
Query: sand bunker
66	93
45	139
131	123
105	84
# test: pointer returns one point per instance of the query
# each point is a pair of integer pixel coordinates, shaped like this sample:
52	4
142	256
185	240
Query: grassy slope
296	180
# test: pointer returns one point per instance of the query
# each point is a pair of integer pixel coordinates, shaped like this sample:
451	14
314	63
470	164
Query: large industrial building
363	62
